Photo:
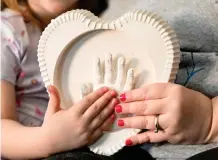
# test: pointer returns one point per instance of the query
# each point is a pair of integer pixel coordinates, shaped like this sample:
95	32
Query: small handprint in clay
122	82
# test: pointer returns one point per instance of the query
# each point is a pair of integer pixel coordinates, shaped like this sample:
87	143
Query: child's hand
81	124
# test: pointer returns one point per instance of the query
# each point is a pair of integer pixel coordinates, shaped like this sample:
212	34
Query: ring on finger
157	125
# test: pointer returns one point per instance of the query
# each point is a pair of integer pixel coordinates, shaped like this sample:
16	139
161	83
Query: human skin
186	116
21	142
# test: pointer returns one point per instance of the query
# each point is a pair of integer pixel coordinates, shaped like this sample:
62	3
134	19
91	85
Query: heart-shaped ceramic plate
69	44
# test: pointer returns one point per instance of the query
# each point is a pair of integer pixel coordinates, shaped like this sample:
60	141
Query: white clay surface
103	75
73	48
97	44
107	75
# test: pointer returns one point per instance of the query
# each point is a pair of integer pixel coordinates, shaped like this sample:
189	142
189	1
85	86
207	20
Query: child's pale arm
18	141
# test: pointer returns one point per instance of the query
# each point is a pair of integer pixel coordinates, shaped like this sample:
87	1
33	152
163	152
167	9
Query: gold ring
156	123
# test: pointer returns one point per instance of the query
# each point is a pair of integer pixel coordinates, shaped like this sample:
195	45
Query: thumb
54	102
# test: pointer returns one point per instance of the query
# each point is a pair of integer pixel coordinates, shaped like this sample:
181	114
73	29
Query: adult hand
185	116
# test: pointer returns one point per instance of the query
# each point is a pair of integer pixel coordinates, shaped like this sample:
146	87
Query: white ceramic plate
69	44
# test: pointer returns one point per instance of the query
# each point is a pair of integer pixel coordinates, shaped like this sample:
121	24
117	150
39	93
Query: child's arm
90	116
18	141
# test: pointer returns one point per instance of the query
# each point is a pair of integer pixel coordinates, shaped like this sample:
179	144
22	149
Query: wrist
214	127
46	144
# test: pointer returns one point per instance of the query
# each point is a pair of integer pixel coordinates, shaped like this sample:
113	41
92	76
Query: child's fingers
54	102
88	100
98	106
95	136
107	125
103	115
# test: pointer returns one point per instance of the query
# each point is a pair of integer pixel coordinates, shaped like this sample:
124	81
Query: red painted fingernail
120	123
129	142
122	97
118	108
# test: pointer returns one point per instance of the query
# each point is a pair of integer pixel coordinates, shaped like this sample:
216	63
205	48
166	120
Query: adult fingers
145	107
143	122
148	136
152	91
